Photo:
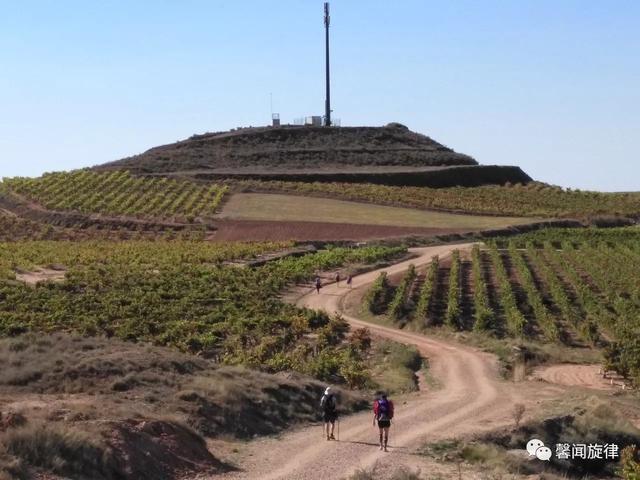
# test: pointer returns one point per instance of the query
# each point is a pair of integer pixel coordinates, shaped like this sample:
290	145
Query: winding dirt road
472	399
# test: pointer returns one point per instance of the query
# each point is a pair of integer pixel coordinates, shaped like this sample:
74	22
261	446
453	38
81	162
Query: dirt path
472	399
586	376
41	275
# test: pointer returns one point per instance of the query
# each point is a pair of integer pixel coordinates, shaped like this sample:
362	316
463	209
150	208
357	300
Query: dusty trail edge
472	398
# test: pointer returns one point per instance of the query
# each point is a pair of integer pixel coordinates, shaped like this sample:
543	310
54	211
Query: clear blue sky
550	85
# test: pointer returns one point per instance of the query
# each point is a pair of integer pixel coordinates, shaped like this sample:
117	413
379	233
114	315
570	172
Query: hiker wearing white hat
329	406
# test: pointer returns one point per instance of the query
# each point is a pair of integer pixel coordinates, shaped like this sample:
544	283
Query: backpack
328	403
384	409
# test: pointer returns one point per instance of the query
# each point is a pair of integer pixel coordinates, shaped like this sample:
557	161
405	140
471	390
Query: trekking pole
338	429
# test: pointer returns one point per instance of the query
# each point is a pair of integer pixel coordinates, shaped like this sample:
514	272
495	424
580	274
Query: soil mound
268	149
158	449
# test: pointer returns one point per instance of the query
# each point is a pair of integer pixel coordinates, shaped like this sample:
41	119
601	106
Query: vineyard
530	200
183	294
119	193
14	228
579	288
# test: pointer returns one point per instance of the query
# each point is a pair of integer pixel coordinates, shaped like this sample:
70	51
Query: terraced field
119	193
530	200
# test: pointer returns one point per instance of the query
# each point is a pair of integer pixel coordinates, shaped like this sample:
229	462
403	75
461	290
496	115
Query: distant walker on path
383	413
318	284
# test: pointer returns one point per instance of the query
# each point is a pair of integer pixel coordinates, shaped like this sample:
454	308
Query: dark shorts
329	417
384	423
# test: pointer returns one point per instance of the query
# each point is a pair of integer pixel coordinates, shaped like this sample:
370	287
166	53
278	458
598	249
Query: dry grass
57	449
400	473
102	408
277	207
132	449
112	379
535	353
394	366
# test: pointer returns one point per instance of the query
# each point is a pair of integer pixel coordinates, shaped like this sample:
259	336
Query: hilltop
392	155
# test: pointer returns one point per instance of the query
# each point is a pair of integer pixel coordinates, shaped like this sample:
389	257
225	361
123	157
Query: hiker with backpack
349	280
338	279
329	406
318	284
383	413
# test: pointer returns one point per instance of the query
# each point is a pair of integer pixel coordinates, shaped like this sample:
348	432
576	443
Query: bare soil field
261	230
41	275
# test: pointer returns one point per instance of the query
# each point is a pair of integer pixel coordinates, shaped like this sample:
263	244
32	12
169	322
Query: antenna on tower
327	102
275	117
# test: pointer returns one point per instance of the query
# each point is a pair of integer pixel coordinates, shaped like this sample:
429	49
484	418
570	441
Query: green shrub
630	463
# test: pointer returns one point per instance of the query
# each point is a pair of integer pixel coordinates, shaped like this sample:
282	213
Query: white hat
326	392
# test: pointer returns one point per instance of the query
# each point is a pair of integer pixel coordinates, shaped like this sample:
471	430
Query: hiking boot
332	437
381	447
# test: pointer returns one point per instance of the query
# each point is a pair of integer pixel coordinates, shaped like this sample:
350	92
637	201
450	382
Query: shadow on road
371	444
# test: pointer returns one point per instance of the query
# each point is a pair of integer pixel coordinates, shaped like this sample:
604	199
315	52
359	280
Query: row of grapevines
557	291
378	294
397	307
483	313
514	318
614	271
543	317
16	229
452	314
594	309
612	236
426	292
631	258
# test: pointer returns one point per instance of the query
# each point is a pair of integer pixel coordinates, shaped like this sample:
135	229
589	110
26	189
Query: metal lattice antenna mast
327	102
